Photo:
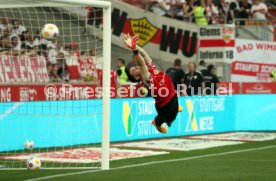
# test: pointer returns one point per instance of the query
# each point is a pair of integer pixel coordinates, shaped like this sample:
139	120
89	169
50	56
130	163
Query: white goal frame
106	5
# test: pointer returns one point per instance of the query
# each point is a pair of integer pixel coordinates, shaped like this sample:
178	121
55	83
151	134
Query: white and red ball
50	31
33	163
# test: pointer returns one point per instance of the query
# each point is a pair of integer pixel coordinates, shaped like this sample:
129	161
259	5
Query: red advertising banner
19	93
259	88
229	88
20	69
16	93
259	70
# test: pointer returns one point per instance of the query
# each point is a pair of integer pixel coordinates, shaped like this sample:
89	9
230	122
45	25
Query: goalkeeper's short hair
127	70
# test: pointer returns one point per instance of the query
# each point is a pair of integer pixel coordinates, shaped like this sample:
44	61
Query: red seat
136	3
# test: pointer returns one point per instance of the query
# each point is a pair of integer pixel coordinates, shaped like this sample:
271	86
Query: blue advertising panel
207	114
255	112
65	123
49	123
132	118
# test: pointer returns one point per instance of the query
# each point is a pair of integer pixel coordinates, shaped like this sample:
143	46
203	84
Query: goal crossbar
55	3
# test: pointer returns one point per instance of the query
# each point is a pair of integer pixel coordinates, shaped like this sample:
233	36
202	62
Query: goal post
106	85
11	110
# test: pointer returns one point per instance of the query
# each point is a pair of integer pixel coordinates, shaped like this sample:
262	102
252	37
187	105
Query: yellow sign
127	118
144	29
192	117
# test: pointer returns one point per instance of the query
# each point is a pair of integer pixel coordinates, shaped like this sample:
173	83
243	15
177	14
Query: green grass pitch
253	161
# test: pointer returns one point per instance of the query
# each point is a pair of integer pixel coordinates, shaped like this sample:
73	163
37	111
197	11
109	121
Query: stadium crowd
16	39
205	12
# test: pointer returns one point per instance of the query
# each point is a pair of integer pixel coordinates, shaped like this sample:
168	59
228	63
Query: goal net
54	106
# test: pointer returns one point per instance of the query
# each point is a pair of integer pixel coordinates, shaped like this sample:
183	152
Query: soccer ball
33	163
29	145
50	31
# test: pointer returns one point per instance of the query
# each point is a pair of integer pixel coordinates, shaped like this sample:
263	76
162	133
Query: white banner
254	61
217	43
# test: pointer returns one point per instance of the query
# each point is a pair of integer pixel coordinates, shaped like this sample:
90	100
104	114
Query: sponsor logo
192	123
137	117
178	144
227	34
144	29
202	113
127	119
259	88
84	155
27	94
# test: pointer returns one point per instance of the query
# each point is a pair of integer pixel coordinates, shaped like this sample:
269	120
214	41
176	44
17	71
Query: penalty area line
152	163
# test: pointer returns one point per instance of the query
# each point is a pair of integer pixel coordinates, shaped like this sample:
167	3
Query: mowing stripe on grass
152	163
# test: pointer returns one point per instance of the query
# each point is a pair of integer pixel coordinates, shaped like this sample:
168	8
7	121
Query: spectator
189	11
223	7
62	71
233	12
160	7
60	48
97	60
30	42
4	24
52	73
17	29
202	65
177	9
52	53
122	76
38	40
92	52
245	8
24	36
35	51
211	80
67	51
6	43
6	33
87	67
15	43
194	81
177	74
212	12
258	10
200	13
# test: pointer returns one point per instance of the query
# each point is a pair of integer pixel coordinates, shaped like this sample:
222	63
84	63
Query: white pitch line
10	110
152	163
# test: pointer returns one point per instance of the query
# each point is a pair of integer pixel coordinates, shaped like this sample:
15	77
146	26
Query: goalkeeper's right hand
131	42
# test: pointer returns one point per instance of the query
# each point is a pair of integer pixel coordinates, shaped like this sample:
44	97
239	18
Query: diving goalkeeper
159	84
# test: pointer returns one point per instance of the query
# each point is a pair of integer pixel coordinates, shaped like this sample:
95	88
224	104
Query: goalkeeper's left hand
131	42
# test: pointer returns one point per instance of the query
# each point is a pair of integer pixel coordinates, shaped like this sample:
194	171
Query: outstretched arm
144	54
142	57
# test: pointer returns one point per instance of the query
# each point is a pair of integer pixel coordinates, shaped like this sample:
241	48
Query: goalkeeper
142	70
